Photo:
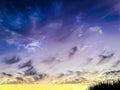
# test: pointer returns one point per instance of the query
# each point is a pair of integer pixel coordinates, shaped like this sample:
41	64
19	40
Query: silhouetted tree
106	86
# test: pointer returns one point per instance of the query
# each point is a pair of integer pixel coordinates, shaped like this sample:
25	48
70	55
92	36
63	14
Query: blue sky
26	20
46	28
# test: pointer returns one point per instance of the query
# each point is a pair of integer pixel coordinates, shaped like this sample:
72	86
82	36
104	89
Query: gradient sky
41	29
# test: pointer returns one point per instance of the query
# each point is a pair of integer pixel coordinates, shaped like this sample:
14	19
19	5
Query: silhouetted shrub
106	86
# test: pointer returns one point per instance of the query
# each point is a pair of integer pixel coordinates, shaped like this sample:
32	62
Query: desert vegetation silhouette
106	86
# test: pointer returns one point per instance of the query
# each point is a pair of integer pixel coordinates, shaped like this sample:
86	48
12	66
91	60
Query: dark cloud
89	61
30	71
12	60
112	72
116	64
6	74
73	51
19	78
30	68
26	64
40	76
49	60
105	55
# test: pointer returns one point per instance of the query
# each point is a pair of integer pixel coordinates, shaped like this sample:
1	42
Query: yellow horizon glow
44	87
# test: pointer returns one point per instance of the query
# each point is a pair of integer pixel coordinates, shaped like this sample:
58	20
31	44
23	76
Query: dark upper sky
23	19
44	9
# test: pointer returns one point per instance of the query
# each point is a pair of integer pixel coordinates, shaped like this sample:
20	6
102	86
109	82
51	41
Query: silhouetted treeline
106	86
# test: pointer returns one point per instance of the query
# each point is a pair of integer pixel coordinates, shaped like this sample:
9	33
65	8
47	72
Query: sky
25	21
59	34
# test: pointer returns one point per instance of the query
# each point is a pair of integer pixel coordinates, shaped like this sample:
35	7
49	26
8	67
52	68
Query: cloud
73	51
55	25
116	8
112	72
10	41
96	29
26	64
33	46
30	71
51	60
116	64
12	60
105	55
6	74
